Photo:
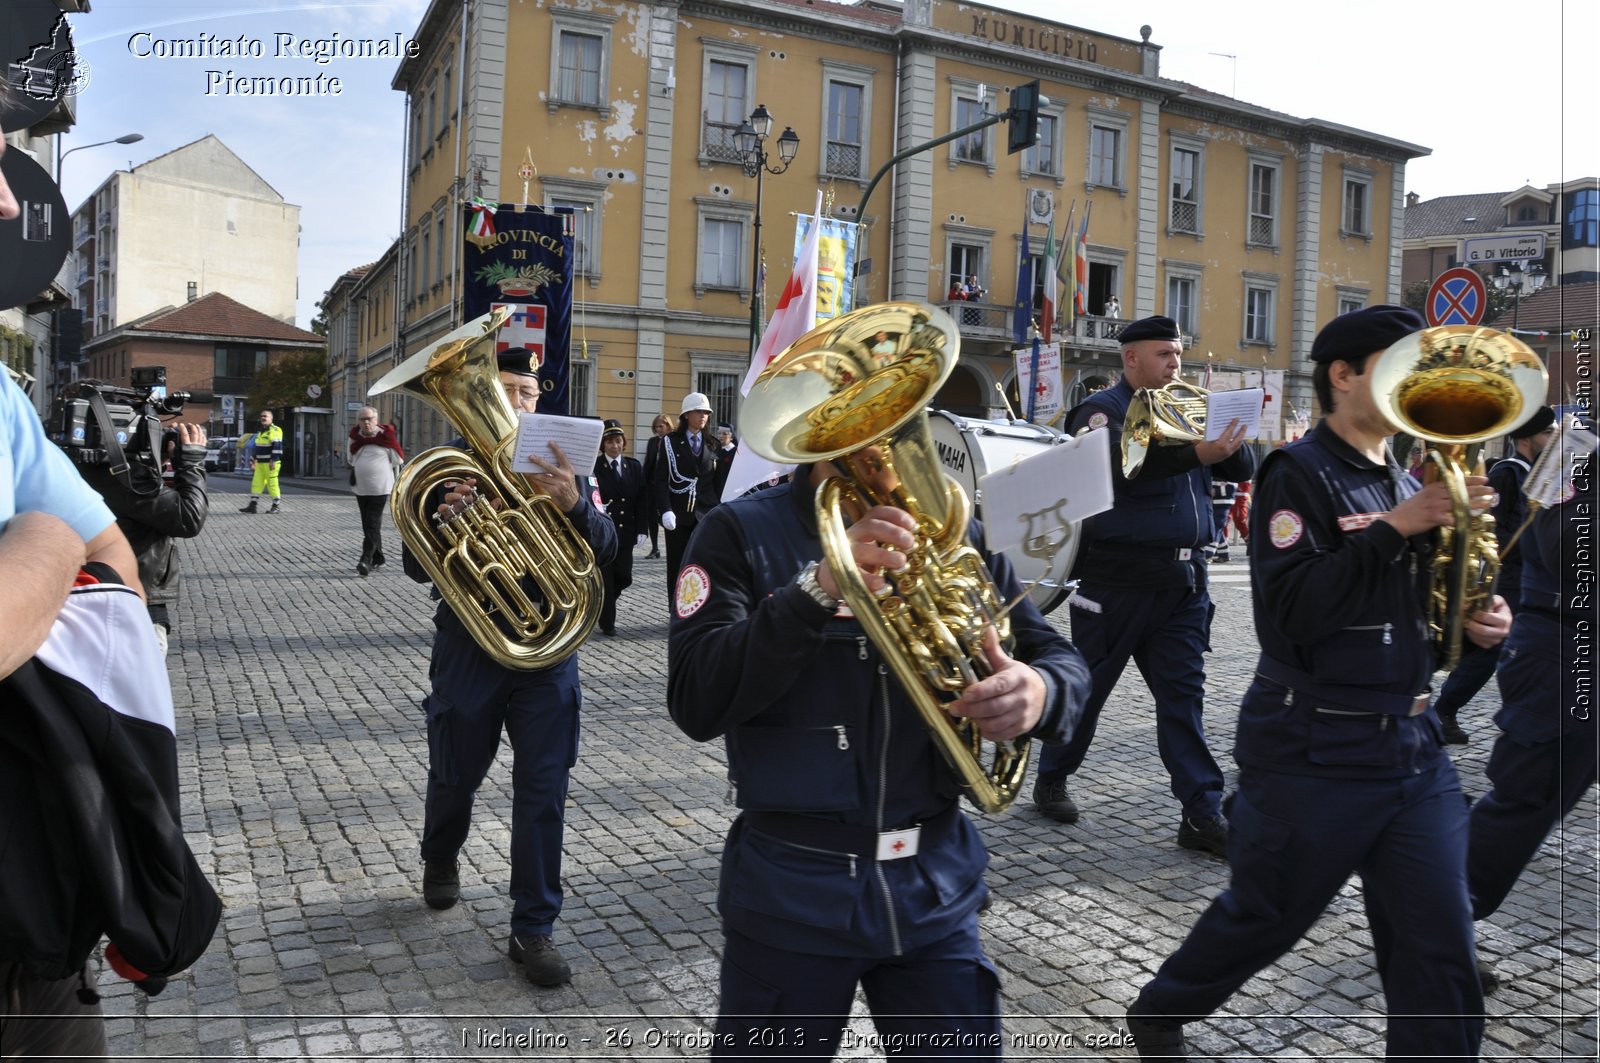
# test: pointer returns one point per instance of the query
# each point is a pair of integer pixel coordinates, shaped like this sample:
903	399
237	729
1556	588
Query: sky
1495	90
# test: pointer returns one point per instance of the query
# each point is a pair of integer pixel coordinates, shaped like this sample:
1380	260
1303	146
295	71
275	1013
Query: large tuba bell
1161	416
855	391
487	553
1454	386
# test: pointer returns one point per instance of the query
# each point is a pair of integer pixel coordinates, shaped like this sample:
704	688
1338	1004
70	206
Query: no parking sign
1457	297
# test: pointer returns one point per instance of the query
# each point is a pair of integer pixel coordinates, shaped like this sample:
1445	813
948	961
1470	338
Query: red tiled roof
218	315
1555	309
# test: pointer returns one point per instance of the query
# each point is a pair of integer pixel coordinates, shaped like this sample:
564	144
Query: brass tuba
1160	416
855	391
486	552
1454	386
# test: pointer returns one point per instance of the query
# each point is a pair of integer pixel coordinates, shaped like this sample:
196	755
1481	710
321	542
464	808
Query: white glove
641	540
669	521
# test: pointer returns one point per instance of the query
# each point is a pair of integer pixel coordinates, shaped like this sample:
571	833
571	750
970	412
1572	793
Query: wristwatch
807	581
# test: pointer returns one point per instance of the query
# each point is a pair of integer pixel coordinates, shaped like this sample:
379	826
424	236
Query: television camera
99	424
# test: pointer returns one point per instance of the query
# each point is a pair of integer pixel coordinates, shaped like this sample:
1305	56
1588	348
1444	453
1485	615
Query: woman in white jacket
375	455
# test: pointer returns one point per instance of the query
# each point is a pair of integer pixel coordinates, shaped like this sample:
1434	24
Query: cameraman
151	513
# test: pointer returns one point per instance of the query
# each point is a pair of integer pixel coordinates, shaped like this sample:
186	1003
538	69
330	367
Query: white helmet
695	401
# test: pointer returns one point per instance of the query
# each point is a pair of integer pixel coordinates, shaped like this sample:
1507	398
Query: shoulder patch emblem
693	591
1098	419
1285	528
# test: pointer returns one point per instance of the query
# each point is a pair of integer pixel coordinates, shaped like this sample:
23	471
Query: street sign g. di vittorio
1457	297
1503	247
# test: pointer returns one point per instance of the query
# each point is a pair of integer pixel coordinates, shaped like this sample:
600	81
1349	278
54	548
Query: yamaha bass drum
970	449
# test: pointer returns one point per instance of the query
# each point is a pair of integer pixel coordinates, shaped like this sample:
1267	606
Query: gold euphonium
1159	417
1455	386
855	391
486	553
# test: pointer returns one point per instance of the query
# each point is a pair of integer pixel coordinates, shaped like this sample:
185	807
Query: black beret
1353	336
1150	328
1542	418
613	428
519	360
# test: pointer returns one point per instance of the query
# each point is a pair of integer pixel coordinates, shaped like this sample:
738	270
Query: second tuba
1454	386
480	560
855	391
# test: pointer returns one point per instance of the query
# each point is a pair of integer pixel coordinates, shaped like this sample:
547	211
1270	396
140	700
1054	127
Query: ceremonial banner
522	258
836	263
1047	391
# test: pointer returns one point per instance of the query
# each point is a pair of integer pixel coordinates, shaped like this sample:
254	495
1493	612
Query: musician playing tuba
474	697
851	862
1341	767
1144	593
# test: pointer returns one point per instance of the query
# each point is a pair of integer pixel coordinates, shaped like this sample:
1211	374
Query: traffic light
1024	131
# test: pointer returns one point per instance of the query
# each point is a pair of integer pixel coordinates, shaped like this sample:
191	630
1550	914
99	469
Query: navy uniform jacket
1167	505
1338	599
673	494
1509	512
816	725
1556	621
624	497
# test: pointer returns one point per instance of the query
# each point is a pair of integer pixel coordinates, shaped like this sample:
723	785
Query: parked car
222	454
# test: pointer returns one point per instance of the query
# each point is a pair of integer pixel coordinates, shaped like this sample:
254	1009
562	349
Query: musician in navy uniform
621	483
474	697
1341	765
1477	665
1143	591
1544	760
851	862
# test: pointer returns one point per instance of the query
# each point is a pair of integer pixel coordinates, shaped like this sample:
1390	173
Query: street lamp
750	141
126	138
1531	277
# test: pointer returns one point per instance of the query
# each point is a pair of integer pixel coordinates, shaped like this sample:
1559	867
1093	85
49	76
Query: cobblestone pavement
303	765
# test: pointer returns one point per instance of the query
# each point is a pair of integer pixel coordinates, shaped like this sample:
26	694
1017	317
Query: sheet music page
578	438
1224	406
1047	491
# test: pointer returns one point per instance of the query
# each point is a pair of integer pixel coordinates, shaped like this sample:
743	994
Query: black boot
1453	734
251	508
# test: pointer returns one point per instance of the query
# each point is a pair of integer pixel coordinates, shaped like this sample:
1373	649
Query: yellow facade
1235	218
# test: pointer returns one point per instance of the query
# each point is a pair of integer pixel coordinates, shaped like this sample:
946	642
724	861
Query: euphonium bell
1455	386
855	391
488	553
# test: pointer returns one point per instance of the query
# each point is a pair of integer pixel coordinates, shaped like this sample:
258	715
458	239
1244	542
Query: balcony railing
720	145
844	160
992	321
1260	229
1185	216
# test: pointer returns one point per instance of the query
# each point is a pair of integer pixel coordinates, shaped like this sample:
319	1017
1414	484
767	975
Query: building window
580	387
237	365
411	269
1184	211
1582	225
584	200
1264	181
1260	309
433	110
1528	213
419	134
1357	217
1107	134
439	244
725	110
580	60
974	147
582	225
423	260
447	102
724	233
966	260
844	130
1351	299
1180	302
1044	156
